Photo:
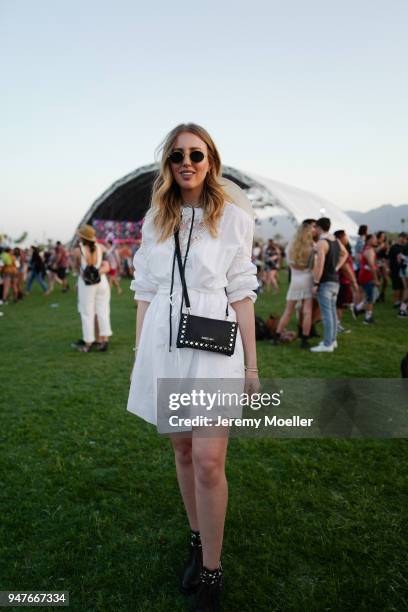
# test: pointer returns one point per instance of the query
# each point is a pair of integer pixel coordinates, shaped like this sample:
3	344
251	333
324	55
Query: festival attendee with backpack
94	293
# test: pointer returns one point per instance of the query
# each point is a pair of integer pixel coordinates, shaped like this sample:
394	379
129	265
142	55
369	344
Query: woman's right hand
252	383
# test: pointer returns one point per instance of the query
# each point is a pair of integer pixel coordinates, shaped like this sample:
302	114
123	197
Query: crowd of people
327	277
93	266
20	268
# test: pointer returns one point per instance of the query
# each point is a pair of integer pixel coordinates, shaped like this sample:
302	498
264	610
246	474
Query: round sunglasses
176	157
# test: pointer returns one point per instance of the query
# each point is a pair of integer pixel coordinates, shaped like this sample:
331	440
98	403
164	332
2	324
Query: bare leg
405	291
185	476
211	494
268	280
285	318
274	280
307	316
51	280
6	288
14	287
117	285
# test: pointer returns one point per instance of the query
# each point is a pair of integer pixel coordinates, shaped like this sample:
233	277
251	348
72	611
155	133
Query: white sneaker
334	344
322	348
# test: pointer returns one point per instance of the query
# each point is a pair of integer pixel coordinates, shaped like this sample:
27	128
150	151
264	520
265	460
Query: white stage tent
278	208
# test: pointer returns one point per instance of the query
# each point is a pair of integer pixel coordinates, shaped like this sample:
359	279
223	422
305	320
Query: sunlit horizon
309	95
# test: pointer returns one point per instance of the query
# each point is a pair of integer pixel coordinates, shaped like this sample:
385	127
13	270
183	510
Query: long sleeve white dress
212	265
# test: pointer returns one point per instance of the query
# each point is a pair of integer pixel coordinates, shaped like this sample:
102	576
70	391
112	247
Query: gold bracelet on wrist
251	369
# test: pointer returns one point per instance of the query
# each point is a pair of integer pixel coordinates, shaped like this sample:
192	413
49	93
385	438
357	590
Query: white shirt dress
212	265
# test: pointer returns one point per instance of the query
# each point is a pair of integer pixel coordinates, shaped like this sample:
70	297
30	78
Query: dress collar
187	210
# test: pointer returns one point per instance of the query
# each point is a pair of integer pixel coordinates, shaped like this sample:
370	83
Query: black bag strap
182	267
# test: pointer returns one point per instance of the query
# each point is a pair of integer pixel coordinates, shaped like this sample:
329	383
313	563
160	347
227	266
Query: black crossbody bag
203	333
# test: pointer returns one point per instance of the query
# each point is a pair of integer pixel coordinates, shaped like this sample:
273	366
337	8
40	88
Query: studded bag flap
207	334
202	333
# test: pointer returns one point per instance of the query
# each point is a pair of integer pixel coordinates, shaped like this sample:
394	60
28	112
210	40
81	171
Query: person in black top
394	262
37	270
331	255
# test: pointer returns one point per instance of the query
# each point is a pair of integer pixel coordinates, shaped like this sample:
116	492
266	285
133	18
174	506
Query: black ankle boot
304	344
190	579
208	597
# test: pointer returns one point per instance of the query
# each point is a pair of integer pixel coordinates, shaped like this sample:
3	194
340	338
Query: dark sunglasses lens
176	157
196	156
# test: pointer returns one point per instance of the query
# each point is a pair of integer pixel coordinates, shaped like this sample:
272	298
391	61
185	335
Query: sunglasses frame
186	154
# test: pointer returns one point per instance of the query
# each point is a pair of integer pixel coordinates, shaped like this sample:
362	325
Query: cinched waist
166	290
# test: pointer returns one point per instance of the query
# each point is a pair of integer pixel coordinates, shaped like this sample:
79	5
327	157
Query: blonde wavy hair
301	247
166	196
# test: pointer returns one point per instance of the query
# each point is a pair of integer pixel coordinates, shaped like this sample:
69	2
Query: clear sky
313	94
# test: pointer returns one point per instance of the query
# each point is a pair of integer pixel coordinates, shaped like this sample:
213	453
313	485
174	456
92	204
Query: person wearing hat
91	263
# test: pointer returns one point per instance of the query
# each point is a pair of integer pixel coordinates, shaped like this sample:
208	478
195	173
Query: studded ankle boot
208	598
190	579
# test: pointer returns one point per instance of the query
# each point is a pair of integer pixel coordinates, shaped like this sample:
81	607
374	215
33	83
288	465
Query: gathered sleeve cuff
143	283
242	273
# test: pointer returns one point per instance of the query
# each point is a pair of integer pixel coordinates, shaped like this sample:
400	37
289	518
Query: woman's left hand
252	384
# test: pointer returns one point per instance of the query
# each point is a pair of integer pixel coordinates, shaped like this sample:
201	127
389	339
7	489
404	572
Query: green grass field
89	498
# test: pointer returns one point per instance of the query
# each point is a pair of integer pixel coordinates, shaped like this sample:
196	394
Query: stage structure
278	208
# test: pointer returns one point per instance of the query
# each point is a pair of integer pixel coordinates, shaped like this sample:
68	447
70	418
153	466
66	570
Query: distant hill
387	217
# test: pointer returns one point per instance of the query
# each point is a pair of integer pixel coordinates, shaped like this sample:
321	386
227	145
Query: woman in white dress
300	254
188	194
93	299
